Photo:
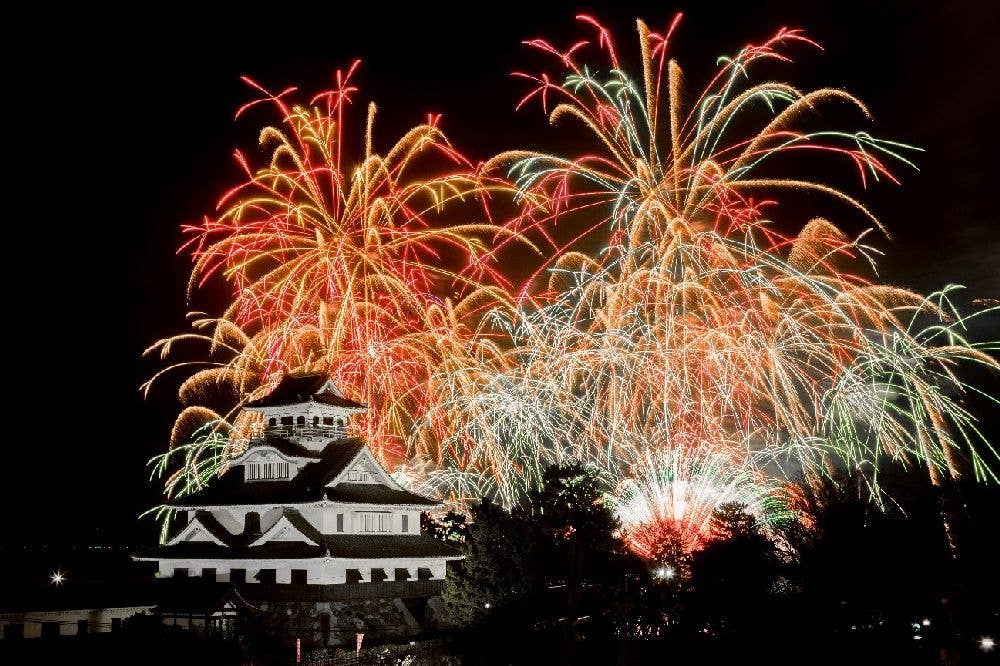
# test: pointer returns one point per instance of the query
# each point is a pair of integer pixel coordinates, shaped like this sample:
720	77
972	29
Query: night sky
117	137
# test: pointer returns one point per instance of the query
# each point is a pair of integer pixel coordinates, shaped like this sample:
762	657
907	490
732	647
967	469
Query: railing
389	589
330	432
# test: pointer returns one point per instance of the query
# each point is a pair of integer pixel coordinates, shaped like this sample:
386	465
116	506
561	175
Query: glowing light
57	577
665	572
986	644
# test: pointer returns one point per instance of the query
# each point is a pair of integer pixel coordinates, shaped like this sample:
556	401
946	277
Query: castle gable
364	481
290	527
363	468
203	528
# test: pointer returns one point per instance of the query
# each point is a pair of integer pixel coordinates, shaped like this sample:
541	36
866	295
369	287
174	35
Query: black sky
121	134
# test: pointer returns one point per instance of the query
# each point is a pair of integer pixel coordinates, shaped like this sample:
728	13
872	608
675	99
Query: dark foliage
852	580
733	576
496	571
452	527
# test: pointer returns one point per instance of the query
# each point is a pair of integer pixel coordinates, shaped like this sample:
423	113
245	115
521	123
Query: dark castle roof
294	389
287	447
309	485
238	546
332	545
369	493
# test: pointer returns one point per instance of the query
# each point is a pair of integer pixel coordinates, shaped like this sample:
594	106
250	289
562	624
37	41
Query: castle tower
306	505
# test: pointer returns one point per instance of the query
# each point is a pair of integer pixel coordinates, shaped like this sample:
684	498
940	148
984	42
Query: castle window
327	420
402	574
340	423
181	572
238	576
375	521
300	576
82	627
286	420
273	422
378	575
301	421
266	471
353	575
316	424
340	522
406	523
208	575
359	475
50	629
267	576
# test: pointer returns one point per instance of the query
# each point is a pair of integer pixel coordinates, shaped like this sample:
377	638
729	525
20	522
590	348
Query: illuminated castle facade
306	505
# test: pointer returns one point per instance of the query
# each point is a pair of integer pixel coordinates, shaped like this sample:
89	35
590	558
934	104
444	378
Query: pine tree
496	568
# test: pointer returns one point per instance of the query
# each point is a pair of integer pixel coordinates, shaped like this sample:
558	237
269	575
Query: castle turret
306	409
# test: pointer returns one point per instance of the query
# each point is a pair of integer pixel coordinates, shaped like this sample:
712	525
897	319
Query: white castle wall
319	571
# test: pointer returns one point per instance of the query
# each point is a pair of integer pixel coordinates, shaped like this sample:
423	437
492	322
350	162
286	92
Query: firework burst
699	333
700	357
342	266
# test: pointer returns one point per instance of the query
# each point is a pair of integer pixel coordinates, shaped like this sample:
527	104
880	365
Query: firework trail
699	333
336	265
699	357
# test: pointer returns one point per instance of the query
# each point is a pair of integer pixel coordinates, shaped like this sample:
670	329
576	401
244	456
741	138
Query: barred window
266	471
375	521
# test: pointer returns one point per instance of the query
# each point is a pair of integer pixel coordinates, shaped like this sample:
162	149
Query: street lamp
986	644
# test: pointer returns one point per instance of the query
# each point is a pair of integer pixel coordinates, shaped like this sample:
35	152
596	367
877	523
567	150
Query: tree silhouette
733	575
496	570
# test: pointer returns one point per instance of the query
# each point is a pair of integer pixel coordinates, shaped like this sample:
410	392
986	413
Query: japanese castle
306	504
